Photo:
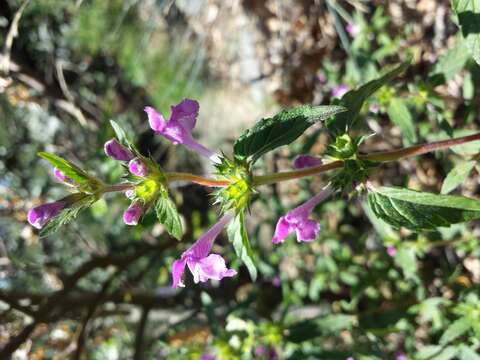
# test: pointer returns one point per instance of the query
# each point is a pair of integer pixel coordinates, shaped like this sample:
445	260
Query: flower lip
297	220
200	262
117	151
178	129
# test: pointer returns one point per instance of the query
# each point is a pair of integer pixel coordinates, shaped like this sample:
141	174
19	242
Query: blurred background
361	290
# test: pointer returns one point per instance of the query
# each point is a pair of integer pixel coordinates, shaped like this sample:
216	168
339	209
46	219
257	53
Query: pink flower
60	176
305	161
401	356
138	167
339	90
202	264
39	216
353	29
297	220
133	213
178	129
117	151
391	251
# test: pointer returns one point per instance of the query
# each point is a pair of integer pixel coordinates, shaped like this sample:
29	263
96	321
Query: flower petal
117	151
281	231
305	161
178	267
40	215
307	230
211	267
132	214
185	113
155	119
204	244
138	167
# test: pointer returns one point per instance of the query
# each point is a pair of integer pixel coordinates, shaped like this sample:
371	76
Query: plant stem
418	149
290	175
176	176
117	187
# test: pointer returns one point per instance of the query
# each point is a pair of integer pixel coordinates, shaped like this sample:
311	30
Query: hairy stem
117	187
418	149
175	176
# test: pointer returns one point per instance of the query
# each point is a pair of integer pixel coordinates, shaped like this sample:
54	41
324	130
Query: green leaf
237	234
467	353
79	202
450	352
167	214
468	12
354	99
120	133
426	352
282	129
68	169
455	330
401	116
330	324
450	63
457	176
417	210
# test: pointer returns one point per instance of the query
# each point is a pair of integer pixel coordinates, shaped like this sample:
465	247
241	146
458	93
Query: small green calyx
235	196
344	148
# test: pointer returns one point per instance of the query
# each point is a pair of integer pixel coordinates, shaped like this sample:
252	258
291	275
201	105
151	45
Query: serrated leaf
455	330
457	176
168	215
400	115
417	210
282	129
468	12
237	234
67	214
354	99
67	168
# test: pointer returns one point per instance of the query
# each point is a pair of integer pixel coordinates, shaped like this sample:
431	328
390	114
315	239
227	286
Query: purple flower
305	161
350	358
201	263
277	281
39	216
339	90
401	356
297	220
353	29
130	194
117	151
133	213
374	108
391	251
60	176
138	167
207	356
179	128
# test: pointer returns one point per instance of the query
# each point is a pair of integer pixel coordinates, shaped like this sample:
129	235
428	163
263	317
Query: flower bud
59	175
305	161
117	151
132	214
138	167
130	194
42	214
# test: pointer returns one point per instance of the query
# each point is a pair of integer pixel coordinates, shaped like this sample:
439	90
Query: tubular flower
133	213
138	167
117	151
201	263
60	176
178	129
297	220
39	216
305	161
